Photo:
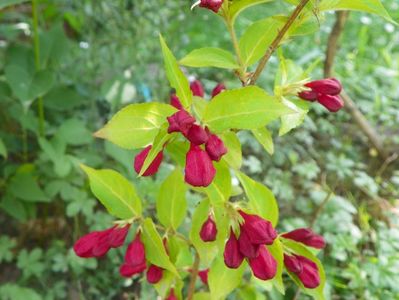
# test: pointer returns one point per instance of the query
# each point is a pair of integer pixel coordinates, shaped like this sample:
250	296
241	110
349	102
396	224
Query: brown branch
276	42
359	118
193	279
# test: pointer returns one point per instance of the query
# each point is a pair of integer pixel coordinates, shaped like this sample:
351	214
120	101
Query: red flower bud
306	236
127	270
213	5
154	274
153	167
180	121
248	249
308	95
259	231
199	170
197	135
218	89
84	246
208	230
264	266
332	103
232	255
172	295
135	253
117	236
309	275
203	275
197	88
215	147
292	264
175	102
328	86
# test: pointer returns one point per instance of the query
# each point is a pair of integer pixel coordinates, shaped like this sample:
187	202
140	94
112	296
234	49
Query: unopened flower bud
328	86
292	264
199	170
197	88
175	101
213	5
264	266
232	255
180	121
197	135
172	295
215	147
84	246
135	253
309	275
153	167
259	231
154	274
332	103
117	236
208	230
308	95
248	249
203	275
218	89
307	237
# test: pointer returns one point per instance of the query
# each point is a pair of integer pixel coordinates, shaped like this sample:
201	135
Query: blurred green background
97	56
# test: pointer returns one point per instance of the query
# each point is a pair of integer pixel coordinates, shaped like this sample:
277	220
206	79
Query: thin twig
194	274
274	45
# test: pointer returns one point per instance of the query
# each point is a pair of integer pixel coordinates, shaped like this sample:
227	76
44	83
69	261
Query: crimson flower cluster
326	92
255	234
205	146
305	269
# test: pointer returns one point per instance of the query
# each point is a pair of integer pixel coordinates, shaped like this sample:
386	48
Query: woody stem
276	42
194	274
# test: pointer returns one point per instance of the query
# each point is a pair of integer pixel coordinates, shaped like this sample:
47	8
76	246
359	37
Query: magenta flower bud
203	275
292	264
135	253
328	86
248	249
308	95
153	167
172	295
306	236
154	274
127	270
215	147
180	121
218	89
232	255
199	170
84	246
309	275
197	88
332	103
264	266
259	231
213	5
197	135
117	236
208	230
175	101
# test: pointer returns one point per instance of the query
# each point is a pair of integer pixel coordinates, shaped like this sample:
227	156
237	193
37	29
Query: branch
360	119
276	42
194	274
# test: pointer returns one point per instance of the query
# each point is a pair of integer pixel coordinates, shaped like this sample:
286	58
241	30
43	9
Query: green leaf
246	108
11	291
276	249
136	125
219	190
210	57
261	199
264	137
233	157
291	121
62	98
115	192
3	149
24	186
239	5
369	6
160	140
202	296
26	86
171	201
176	77
257	38
154	249
223	280
298	248
14	208
74	132
5	3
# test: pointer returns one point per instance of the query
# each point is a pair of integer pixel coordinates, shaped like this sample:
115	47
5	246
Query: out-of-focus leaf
239	5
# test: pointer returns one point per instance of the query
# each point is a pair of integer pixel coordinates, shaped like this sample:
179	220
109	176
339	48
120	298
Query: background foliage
97	56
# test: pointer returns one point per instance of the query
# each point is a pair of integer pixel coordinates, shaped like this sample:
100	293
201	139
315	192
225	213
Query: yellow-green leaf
264	137
210	57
